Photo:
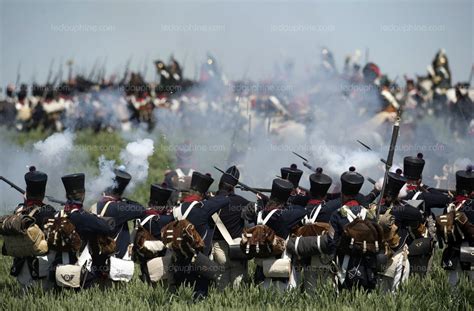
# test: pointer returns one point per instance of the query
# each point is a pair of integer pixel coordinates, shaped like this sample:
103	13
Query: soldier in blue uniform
283	221
316	268
458	256
162	214
432	198
122	211
320	184
34	206
159	206
354	270
416	190
395	213
86	224
198	210
233	271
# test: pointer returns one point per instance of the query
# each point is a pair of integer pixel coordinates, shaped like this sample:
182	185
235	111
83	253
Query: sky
246	37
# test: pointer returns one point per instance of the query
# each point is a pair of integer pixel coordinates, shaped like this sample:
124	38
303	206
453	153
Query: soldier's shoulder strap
179	172
346	212
315	212
263	221
178	212
93	208
33	211
416	195
104	209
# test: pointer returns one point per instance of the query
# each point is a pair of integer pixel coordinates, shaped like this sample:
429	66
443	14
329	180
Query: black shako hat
351	182
121	181
159	195
413	167
74	185
292	173
281	189
35	183
319	183
465	180
395	182
201	182
231	176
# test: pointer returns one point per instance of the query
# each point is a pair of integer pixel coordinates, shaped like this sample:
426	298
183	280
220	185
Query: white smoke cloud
97	185
54	151
51	156
135	159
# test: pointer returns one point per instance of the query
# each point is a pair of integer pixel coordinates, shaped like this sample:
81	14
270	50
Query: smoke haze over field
248	39
57	155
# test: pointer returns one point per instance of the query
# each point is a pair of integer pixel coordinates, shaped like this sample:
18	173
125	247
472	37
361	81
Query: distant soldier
328	64
166	78
440	75
462	111
23	108
389	102
176	73
456	229
229	226
7	106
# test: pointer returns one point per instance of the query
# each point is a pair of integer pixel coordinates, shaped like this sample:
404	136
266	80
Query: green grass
431	293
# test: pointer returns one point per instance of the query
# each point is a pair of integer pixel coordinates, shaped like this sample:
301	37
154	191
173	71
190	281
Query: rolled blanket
205	267
307	246
16	224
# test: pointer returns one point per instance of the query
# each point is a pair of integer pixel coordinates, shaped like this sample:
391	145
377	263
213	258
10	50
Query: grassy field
432	293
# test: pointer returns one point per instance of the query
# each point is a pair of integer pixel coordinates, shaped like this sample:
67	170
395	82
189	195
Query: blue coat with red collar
121	212
200	217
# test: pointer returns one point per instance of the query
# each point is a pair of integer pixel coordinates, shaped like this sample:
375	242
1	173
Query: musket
91	74
11	184
370	149
241	184
18	75
145	67
17	188
250	129
127	68
256	189
50	72
388	164
103	71
305	162
69	64
59	75
471	74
